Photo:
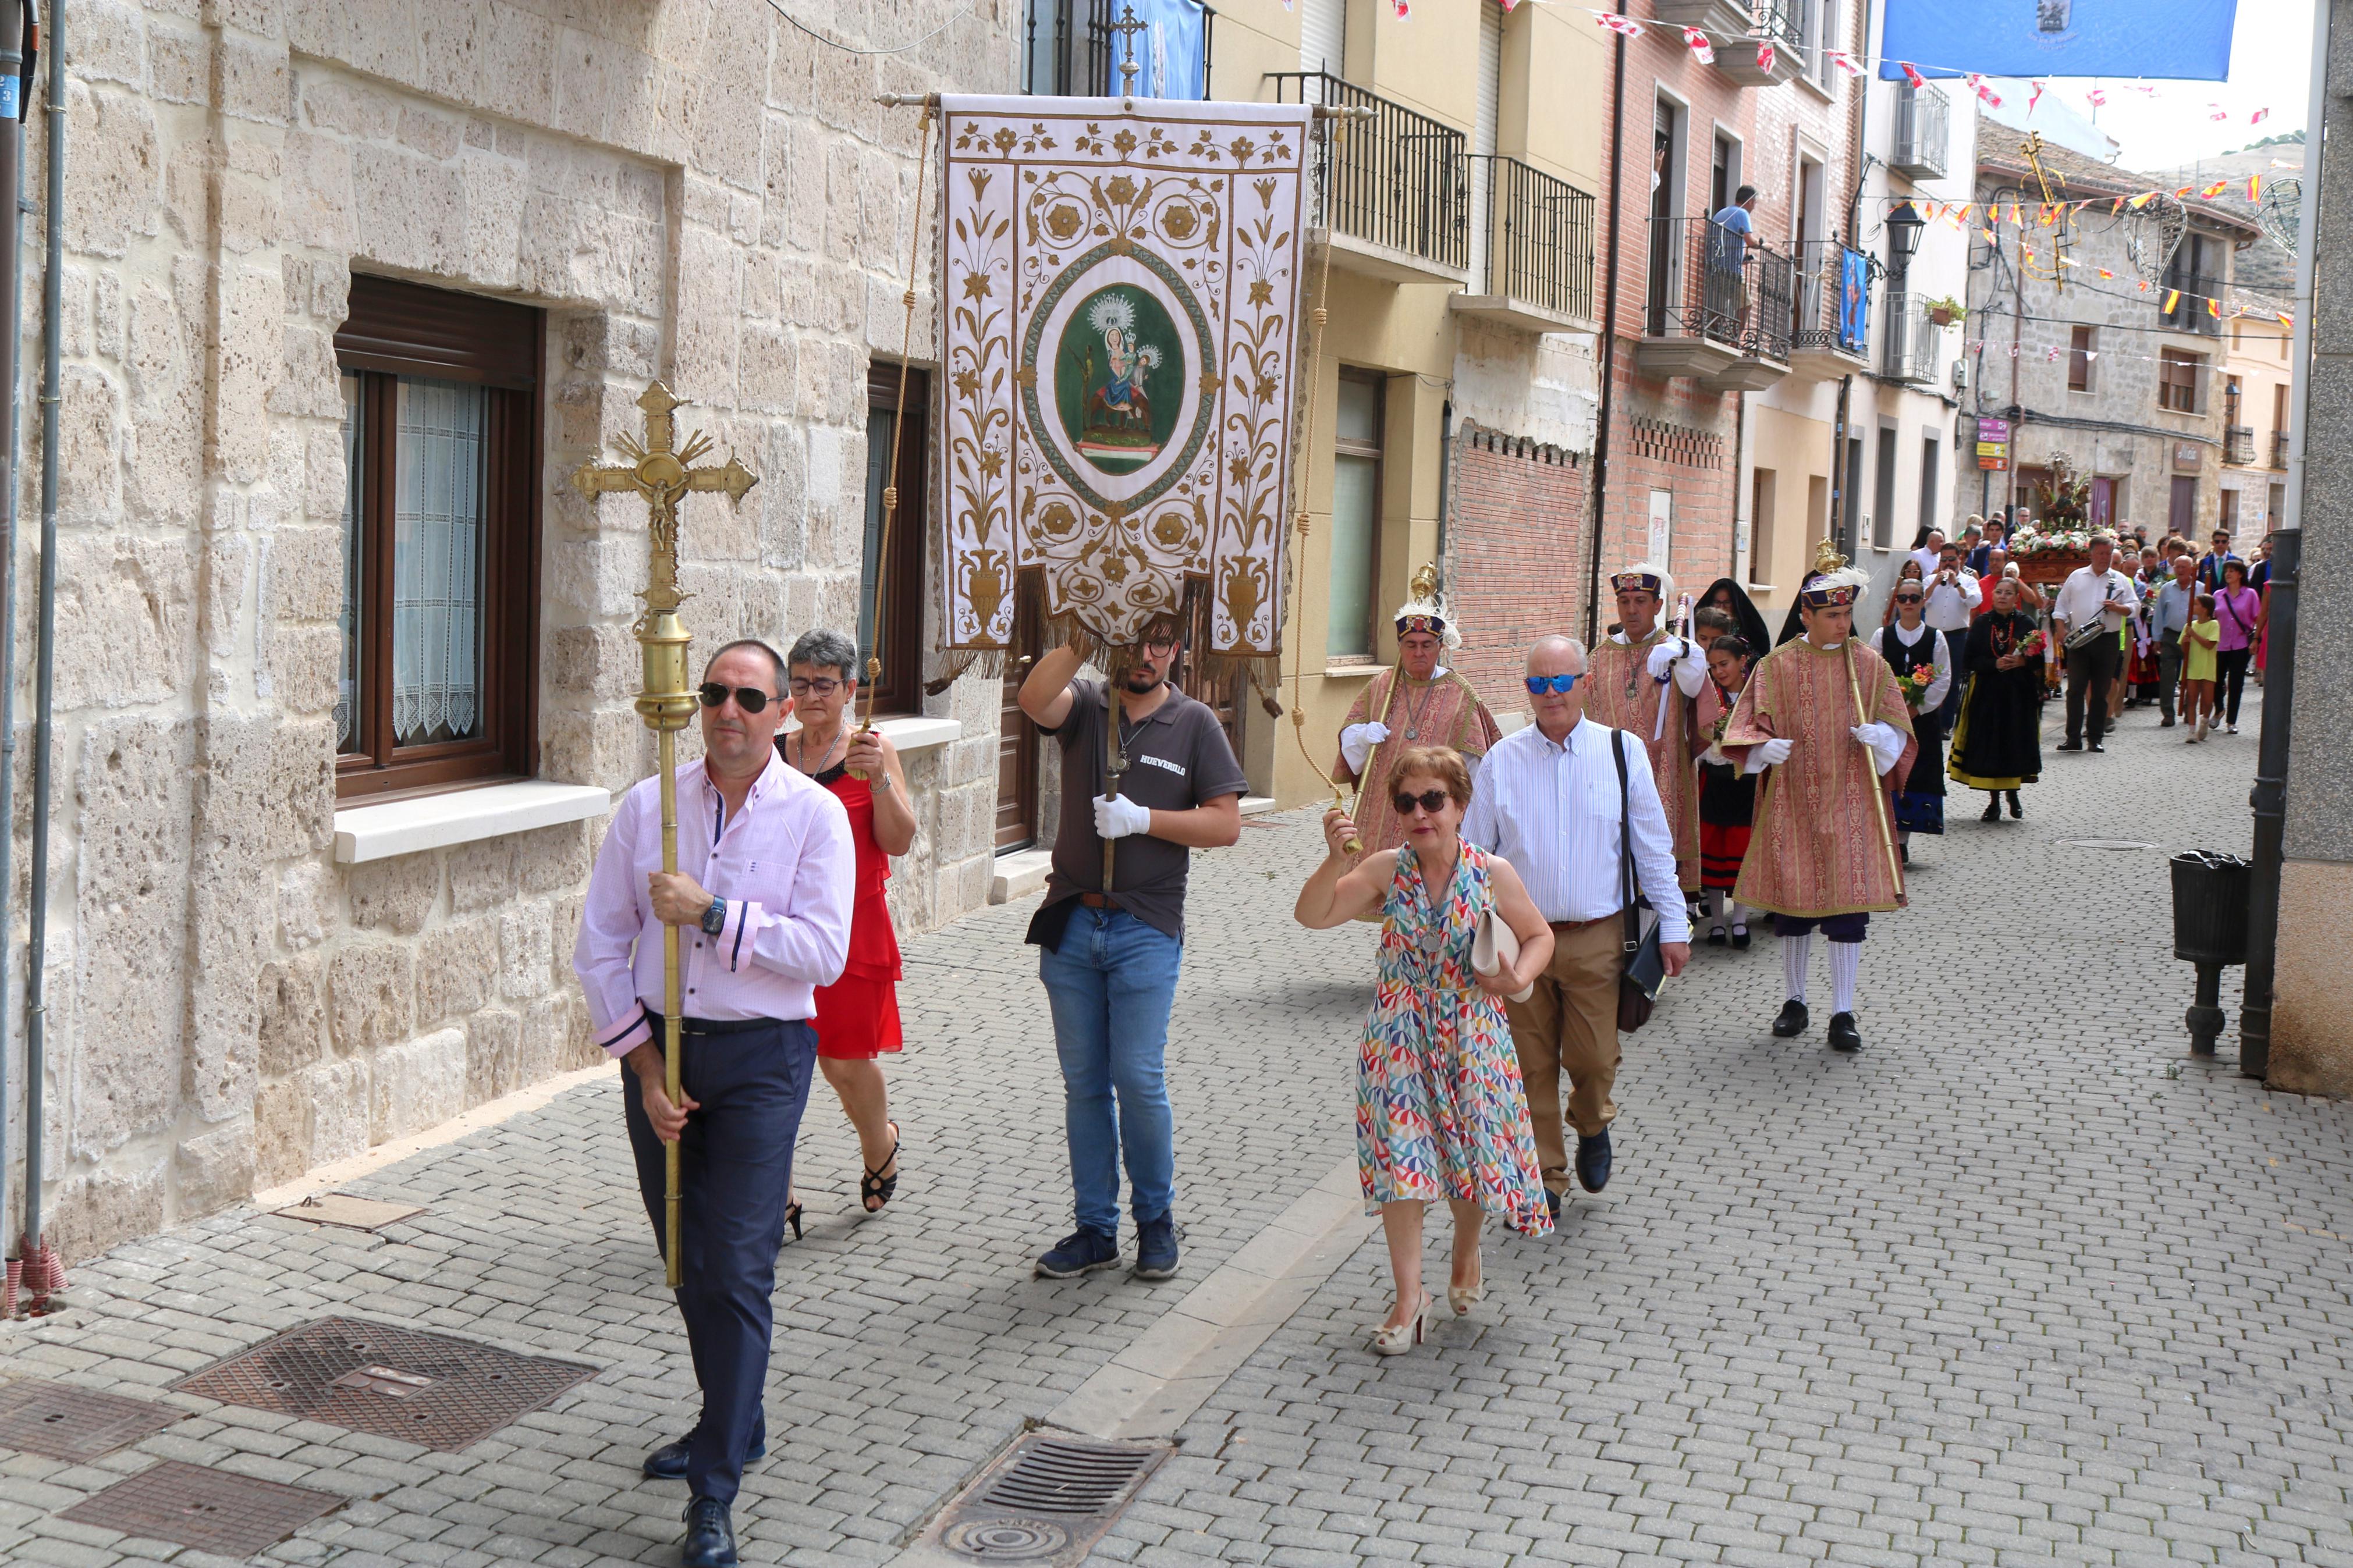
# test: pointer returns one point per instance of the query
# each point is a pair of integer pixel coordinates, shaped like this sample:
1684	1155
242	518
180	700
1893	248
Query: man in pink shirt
764	891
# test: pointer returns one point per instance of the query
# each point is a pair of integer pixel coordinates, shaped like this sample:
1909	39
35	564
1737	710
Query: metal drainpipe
45	662
12	162
1609	348
2269	801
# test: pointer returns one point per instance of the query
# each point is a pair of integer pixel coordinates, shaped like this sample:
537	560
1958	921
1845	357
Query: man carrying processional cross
1420	702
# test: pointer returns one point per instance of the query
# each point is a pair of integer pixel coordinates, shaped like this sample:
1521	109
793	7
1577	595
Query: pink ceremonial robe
1441	712
1621	693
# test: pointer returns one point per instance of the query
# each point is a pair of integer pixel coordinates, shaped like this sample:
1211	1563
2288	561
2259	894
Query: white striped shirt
1552	811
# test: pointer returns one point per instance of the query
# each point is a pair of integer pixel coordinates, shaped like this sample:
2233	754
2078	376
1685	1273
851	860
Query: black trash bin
2209	907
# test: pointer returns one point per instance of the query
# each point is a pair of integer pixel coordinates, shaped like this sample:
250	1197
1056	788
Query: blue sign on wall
2180	40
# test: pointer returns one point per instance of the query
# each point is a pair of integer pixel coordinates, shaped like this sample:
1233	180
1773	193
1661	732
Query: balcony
1909	341
1537	272
1392	194
2281	443
1922	133
1833	331
1067	48
2239	444
1739	27
2189	314
1708	316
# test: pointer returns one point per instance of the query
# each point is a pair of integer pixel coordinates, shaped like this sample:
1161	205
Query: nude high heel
1463	1297
1406	1335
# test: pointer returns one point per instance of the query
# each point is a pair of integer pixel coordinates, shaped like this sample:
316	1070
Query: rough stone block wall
1517	556
691	191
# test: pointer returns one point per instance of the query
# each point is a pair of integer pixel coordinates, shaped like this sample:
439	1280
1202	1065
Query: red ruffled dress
858	1016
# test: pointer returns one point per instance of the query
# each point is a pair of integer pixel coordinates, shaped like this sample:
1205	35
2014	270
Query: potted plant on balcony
1944	313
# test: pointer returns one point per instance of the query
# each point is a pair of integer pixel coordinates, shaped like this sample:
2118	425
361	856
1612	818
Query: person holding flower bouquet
1996	746
1923	662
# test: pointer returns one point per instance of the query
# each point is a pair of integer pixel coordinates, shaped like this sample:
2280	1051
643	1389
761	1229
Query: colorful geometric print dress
1441	1111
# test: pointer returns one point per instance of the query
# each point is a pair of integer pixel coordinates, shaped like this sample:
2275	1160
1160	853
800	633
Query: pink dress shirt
786	867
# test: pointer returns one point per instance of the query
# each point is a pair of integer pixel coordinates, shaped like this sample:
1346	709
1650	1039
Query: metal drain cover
350	1213
1046	1502
427	1389
217	1511
2105	844
63	1421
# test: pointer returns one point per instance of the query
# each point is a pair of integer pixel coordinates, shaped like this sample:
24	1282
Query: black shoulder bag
1643	970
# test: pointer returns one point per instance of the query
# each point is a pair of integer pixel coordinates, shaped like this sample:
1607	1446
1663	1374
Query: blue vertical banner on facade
1855	300
1169	59
2177	40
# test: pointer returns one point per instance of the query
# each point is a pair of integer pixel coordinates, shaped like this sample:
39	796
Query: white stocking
1794	950
1845	958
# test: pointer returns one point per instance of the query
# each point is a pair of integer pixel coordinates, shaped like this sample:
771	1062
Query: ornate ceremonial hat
1833	582
1644	577
1424	611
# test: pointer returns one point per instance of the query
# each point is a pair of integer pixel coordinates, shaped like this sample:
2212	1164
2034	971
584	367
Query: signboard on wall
1993	455
2188	458
1662	529
1993	429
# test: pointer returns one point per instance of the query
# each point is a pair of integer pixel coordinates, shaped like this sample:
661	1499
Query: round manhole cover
2105	844
1005	1539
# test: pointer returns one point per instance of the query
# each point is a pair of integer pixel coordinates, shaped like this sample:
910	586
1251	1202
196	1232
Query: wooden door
1017	747
2181	513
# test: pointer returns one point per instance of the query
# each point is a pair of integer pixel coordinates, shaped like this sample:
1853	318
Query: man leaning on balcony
1732	248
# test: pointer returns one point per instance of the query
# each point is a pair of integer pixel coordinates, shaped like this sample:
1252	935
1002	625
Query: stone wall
689	190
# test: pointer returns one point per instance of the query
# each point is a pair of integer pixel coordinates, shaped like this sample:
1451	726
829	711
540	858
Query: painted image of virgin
1122	400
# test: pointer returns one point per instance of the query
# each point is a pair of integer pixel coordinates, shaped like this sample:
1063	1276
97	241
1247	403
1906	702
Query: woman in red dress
858	1016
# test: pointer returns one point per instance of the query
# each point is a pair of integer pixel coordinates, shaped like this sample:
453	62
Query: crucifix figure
664	478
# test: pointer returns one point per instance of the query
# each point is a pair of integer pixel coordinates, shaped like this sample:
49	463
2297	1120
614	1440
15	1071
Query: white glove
1358	741
1117	816
1767	754
1677	656
1886	741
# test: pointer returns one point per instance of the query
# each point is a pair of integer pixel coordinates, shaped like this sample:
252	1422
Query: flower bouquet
2031	645
1914	684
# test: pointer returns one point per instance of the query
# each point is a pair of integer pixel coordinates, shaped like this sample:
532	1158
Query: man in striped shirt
1548	799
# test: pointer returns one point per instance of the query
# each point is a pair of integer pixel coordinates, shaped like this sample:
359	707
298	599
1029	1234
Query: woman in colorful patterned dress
1440	1109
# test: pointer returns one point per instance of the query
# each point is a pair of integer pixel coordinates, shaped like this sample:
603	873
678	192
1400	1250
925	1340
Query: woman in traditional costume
1923	662
1997	745
1727	798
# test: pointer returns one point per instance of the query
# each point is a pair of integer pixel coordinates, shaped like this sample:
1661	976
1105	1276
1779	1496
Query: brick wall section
1516	554
1671	435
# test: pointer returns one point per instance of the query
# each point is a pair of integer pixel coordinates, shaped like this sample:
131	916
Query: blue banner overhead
2176	39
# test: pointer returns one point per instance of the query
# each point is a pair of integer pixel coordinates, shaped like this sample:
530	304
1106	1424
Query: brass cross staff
664	478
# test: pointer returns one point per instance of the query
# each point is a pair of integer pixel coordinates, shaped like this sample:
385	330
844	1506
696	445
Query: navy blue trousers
735	1162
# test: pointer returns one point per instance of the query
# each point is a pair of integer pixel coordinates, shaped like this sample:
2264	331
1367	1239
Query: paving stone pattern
2020	1282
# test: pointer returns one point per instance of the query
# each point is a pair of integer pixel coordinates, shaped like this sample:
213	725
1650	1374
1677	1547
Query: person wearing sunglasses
1922	659
1441	1114
1108	956
1418	703
763	896
1644	679
1552	800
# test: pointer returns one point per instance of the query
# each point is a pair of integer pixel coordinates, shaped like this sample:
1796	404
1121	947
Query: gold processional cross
664	478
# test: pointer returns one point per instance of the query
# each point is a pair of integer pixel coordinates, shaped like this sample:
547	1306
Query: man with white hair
1642	680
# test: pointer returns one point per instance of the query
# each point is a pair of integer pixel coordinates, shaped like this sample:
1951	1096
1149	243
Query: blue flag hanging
2176	39
1167	50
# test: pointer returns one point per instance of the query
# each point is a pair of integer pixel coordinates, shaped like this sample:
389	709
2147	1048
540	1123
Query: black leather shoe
710	1535
1593	1160
2095	746
667	1463
1792	1021
1844	1036
2069	746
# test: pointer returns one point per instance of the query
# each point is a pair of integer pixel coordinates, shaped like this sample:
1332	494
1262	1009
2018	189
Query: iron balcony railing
2239	444
1910	341
1067	47
1539	235
1399	179
1700	287
2280	442
1780	23
1923	131
2189	313
1827	320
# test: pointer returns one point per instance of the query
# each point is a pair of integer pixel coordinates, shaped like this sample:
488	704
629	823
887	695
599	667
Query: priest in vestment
1641	679
1420	702
1822	853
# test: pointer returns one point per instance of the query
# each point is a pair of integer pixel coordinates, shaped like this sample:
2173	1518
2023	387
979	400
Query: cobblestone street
2021	1281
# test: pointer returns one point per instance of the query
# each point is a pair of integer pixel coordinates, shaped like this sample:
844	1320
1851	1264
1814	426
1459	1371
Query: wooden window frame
899	611
1348	446
2080	349
2186	383
397	329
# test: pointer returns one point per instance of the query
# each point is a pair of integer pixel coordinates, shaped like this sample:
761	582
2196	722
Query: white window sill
1352	671
364	833
916	734
1762	588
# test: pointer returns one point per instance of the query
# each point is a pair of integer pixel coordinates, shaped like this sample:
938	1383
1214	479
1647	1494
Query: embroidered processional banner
1121	298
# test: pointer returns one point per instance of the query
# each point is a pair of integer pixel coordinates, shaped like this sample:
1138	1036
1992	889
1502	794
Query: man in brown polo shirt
1109	958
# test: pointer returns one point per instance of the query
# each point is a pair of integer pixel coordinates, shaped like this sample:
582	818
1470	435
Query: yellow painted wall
1797	449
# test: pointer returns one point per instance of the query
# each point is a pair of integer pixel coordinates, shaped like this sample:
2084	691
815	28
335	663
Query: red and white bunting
2033	96
2097	98
1765	58
1846	62
2218	112
2259	116
1405	10
1701	50
1977	84
1912	74
1624	26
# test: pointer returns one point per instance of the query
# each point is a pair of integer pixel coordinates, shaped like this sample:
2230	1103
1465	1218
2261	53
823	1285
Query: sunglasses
750	698
1907	598
1432	801
1564	684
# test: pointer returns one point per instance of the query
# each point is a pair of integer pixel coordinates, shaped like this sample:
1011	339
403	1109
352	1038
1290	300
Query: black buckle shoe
1844	1036
1593	1160
710	1535
1792	1021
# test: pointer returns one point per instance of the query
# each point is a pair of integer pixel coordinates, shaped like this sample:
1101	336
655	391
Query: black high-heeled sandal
875	1184
793	1218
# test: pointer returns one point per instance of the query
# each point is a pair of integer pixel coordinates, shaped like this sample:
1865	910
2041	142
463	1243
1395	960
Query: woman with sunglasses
1923	662
856	1016
1442	1113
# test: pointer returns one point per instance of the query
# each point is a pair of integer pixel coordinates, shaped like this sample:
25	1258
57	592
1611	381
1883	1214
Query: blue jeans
1112	980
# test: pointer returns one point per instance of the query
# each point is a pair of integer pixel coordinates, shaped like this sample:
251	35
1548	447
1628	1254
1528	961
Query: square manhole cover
427	1389
348	1212
1046	1502
213	1510
63	1421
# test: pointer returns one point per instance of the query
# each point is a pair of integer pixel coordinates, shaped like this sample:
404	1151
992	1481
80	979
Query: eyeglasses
822	686
1563	684
1432	801
750	698
1160	645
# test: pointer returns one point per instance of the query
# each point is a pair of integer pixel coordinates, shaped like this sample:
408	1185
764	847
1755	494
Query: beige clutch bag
1493	948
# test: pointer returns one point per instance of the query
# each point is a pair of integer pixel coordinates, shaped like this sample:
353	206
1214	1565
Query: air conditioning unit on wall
1960	375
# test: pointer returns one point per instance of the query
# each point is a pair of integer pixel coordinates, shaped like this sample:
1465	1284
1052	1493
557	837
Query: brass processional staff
664	478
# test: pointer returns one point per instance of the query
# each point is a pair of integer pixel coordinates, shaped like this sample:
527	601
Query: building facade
344	666
2257	417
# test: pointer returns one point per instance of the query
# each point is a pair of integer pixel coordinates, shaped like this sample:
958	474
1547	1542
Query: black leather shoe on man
1792	1021
1593	1160
710	1535
667	1463
1844	1036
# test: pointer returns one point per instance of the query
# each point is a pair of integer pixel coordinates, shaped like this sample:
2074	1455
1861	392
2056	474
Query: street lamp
1904	225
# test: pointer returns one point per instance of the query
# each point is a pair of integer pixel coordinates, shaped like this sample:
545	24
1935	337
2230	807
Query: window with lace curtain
440	434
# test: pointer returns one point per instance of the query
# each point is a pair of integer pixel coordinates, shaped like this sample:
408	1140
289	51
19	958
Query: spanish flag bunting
2214	309
2117	207
2184	191
1965	210
2143	200
2255	186
2286	320
2067	261
2105	273
2027	251
2216	189
2144	285
2172	298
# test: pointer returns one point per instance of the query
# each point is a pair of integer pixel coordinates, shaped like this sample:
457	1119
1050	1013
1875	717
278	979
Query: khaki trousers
1570	1023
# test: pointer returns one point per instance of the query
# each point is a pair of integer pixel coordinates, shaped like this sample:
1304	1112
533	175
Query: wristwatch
881	781
714	918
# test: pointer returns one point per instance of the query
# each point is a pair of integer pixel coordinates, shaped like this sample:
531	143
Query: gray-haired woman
858	1016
